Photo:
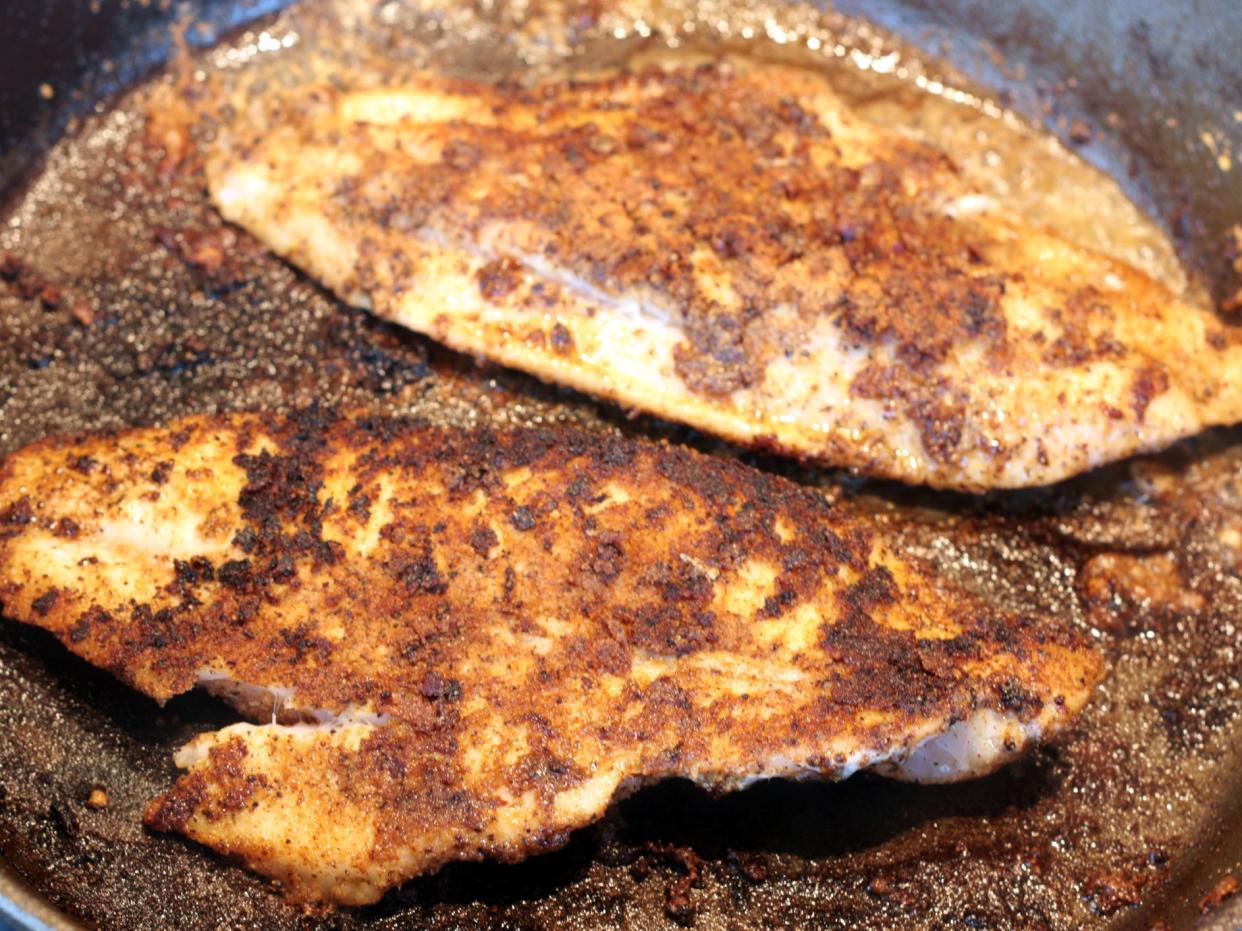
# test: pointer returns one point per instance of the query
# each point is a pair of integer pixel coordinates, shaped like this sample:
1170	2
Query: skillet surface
1136	808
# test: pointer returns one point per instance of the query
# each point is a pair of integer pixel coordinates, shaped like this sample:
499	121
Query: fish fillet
728	246
456	645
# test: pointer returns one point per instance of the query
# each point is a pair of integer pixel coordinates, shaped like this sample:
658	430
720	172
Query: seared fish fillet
729	247
457	645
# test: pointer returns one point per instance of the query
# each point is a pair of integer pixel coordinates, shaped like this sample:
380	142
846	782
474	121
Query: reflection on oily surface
162	311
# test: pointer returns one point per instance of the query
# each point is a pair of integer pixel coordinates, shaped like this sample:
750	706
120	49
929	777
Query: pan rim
22	908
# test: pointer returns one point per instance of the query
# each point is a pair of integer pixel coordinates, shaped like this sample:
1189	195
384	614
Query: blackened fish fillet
730	247
456	645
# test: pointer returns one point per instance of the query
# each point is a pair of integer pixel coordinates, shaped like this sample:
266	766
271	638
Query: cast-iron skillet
1149	81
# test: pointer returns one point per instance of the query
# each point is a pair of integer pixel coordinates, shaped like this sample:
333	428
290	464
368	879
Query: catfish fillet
729	247
456	645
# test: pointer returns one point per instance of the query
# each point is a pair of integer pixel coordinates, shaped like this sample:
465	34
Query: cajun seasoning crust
469	640
730	247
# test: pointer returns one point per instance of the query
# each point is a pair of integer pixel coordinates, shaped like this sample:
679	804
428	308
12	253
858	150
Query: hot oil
181	318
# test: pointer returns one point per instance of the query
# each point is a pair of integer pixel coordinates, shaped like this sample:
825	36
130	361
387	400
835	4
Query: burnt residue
1063	840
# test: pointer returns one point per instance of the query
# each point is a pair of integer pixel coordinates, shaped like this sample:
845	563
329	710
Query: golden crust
730	247
462	644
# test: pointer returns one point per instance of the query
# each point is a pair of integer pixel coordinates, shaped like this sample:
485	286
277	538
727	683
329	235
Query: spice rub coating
456	645
730	247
